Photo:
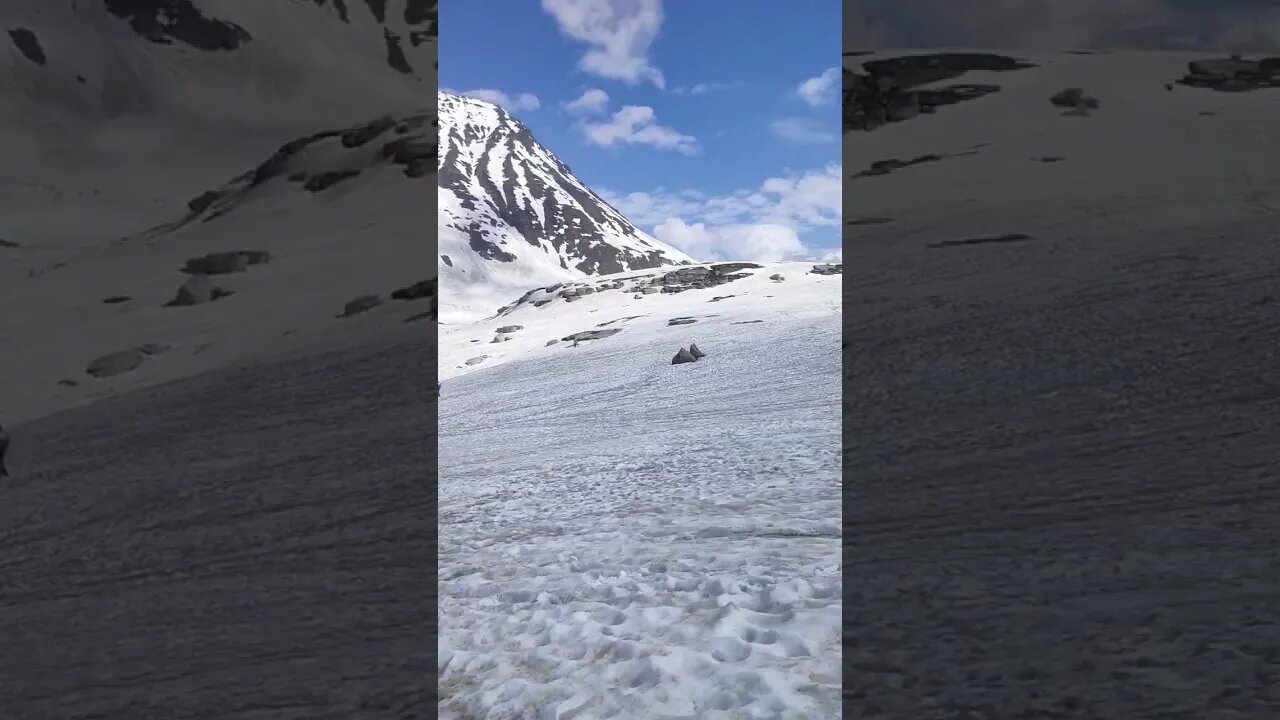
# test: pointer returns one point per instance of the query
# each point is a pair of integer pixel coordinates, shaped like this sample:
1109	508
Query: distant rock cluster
1233	74
694	277
887	91
828	269
1075	101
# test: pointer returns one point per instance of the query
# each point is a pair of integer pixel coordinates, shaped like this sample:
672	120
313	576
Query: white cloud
761	223
591	102
619	34
704	88
523	101
637	125
752	243
802	130
822	89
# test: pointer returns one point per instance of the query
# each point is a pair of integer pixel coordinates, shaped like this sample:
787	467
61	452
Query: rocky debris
358	136
416	291
507	329
116	299
591	335
364	303
885	93
325	180
166	21
648	291
1011	237
476	360
718	298
1074	99
500	338
777	277
681	321
551	342
197	290
118	363
684	356
225	263
1234	74
746	322
828	269
694	351
29	45
726	268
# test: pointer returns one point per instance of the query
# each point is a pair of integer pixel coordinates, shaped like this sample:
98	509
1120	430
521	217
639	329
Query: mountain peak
513	216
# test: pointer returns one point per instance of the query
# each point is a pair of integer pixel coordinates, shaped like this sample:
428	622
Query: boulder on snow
695	352
776	277
361	304
508	329
115	363
591	334
1073	98
684	356
198	289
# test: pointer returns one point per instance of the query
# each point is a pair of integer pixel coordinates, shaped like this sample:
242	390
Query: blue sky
712	124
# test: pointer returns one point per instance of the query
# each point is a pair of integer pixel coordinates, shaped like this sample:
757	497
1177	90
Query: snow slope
512	216
622	537
168	150
1064	447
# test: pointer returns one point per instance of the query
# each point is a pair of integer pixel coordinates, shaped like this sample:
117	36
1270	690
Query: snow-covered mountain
512	216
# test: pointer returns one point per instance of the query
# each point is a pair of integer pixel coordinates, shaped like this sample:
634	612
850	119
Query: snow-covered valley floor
622	537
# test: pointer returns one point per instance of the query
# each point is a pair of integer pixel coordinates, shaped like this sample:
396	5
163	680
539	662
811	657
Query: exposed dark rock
326	180
777	277
1073	98
551	342
885	93
198	289
718	298
416	291
364	303
1051	159
684	356
747	322
116	299
395	53
506	329
356	137
166	21
726	268
420	317
115	363
9	244
694	351
29	45
828	269
681	321
1234	74
445	259
591	335
476	360
1011	237
68	382
223	263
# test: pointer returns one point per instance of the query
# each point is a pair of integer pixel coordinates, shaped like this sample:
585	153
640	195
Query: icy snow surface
622	537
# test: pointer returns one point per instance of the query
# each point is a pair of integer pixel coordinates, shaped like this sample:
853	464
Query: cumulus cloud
523	101
753	243
591	102
618	33
821	89
802	130
704	88
762	223
638	125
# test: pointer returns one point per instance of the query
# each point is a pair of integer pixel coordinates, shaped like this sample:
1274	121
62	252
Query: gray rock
551	342
507	329
684	356
649	290
476	360
115	363
198	289
364	303
416	291
776	277
681	321
828	269
225	263
591	334
694	351
499	338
